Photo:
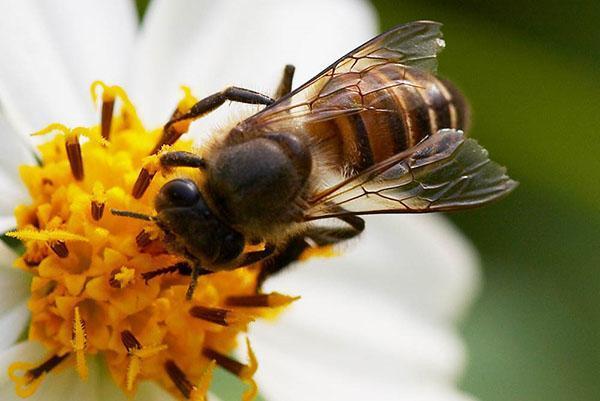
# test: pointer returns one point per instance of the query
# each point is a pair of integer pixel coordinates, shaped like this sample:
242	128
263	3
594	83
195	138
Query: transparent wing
446	171
412	45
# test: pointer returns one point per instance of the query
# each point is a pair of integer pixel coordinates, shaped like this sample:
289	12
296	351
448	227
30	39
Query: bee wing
446	171
415	44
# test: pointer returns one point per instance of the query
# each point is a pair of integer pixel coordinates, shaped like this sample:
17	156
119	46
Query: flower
375	322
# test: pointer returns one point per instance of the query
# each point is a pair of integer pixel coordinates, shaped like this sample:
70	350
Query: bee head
191	227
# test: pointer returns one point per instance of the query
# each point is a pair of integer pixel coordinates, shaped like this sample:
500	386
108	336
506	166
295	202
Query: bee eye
179	193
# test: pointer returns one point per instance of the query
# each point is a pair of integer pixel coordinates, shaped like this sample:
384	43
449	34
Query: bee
378	120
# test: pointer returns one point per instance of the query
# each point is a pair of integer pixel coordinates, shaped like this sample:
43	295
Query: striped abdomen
396	107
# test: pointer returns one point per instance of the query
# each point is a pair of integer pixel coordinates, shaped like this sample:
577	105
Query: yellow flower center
104	284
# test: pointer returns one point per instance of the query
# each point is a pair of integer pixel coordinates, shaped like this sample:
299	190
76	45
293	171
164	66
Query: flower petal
52	51
95	38
14	291
210	45
13	153
13	323
14	284
378	317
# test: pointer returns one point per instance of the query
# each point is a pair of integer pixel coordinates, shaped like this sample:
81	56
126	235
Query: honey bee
378	119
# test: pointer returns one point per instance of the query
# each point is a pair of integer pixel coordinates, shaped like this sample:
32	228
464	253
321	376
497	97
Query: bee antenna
133	215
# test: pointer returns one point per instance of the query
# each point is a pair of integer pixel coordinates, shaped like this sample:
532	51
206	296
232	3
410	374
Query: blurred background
531	70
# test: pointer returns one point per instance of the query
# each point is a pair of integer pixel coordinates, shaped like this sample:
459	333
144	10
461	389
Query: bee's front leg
212	102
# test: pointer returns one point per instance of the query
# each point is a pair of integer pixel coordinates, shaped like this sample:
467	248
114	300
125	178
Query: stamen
151	165
59	248
98	201
272	300
73	149
199	393
171	134
182	268
179	379
79	343
112	92
244	372
28	383
120	278
136	352
97	209
143	239
129	341
223	317
142	183
108	106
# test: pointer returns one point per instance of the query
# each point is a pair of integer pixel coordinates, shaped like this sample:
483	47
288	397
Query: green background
532	73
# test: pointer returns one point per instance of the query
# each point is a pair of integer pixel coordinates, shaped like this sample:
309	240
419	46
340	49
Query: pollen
103	285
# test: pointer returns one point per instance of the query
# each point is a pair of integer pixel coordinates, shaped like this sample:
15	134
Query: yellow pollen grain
73	302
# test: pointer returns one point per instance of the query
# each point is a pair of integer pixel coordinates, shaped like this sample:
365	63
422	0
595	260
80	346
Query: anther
27	384
129	341
179	379
97	210
79	343
59	247
142	183
169	135
108	106
272	300
244	372
172	133
229	364
73	149
136	353
223	317
98	202
143	239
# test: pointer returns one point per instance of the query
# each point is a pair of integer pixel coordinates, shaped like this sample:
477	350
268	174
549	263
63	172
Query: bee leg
253	257
215	100
182	159
285	86
321	236
196	269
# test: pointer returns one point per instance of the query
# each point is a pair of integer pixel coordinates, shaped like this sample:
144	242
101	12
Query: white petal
52	51
14	284
13	153
95	38
13	323
380	316
14	291
210	45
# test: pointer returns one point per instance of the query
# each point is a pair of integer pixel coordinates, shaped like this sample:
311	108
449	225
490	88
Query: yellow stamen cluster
103	284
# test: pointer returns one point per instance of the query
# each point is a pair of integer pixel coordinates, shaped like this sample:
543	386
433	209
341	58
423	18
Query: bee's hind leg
285	86
319	236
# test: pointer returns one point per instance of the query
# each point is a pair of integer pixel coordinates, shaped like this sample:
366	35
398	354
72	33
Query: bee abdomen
399	106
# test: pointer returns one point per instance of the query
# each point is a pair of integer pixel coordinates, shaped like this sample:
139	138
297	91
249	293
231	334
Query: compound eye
179	193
